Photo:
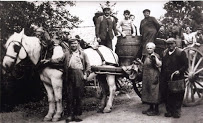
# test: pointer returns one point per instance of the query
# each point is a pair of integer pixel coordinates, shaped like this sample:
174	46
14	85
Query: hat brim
170	42
146	10
106	8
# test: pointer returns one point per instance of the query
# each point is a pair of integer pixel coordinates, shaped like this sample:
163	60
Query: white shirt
189	38
171	52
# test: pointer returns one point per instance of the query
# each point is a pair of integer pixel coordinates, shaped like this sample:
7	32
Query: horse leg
51	101
57	86
103	85
112	89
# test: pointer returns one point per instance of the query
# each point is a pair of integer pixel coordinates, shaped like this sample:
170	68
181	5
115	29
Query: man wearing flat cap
174	61
77	68
149	27
106	28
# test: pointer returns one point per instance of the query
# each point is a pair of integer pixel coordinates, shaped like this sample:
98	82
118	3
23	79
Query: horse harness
104	62
17	50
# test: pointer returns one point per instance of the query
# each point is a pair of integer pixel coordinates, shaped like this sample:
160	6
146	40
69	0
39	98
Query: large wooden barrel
127	49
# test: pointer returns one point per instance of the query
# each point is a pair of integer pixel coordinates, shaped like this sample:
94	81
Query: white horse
95	60
19	46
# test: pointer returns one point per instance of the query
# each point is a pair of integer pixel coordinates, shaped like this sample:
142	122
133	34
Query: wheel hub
192	77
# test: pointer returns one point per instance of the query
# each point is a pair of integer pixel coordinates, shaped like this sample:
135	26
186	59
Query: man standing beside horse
77	68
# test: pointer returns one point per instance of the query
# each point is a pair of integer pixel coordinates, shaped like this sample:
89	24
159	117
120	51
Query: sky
85	10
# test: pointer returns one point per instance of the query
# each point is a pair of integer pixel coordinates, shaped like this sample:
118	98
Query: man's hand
44	61
98	40
198	44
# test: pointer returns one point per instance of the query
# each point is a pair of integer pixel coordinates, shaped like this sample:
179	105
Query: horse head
18	48
83	44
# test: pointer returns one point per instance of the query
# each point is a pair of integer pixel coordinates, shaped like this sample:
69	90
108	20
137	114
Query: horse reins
13	57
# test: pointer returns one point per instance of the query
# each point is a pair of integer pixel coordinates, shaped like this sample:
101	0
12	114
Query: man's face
66	35
171	46
126	15
107	12
199	31
74	45
146	14
188	30
175	21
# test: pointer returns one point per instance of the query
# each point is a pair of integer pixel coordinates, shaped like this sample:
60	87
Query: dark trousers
75	87
174	102
107	42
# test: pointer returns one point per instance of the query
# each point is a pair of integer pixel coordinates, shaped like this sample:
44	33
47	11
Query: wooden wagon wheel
194	77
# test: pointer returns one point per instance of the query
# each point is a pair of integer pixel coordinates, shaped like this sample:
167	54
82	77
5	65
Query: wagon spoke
187	81
192	93
201	77
194	59
198	93
196	66
199	71
189	59
199	83
187	92
186	75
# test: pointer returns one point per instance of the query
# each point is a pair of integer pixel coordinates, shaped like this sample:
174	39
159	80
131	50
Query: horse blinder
16	48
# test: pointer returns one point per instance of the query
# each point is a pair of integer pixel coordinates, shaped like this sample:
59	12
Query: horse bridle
15	57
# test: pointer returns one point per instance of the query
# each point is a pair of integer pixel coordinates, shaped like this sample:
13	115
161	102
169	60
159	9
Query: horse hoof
107	110
47	119
55	119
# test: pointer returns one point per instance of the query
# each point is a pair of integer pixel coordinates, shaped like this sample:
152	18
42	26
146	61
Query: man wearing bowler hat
149	27
174	61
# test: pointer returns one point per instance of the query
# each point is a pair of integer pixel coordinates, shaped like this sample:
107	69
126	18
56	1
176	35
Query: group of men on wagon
77	66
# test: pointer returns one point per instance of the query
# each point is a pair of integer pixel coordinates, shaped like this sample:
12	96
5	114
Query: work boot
148	110
77	119
153	113
168	114
176	115
70	118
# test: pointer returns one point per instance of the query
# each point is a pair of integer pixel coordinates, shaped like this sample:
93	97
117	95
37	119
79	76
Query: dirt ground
127	109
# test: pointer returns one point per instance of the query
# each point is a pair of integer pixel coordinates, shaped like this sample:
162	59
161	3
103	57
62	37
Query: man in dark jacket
149	27
105	26
174	61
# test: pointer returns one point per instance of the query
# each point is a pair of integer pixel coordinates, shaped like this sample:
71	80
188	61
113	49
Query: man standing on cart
105	26
149	27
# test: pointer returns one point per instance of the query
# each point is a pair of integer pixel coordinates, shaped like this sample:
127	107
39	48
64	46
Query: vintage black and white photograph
101	61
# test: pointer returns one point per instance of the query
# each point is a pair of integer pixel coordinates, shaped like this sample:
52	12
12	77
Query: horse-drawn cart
193	76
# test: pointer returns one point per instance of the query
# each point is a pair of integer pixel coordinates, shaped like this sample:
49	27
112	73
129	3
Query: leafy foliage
188	12
52	15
